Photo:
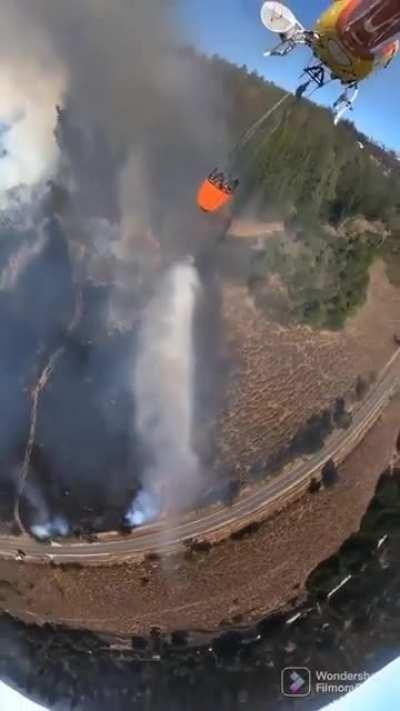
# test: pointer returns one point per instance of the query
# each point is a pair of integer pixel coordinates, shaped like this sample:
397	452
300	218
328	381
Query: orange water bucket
212	198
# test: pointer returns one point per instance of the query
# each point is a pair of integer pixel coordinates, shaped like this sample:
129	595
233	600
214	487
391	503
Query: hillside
335	192
299	158
310	269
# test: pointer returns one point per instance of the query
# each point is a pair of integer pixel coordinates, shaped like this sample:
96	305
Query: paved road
262	498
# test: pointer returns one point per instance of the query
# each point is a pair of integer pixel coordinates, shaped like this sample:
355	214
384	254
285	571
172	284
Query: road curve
253	502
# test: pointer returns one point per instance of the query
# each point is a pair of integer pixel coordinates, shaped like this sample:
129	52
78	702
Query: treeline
324	278
319	178
299	158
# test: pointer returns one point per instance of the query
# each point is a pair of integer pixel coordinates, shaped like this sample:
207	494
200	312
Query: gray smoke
117	66
142	124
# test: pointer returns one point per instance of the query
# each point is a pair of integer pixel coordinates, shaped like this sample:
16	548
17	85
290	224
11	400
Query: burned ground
86	461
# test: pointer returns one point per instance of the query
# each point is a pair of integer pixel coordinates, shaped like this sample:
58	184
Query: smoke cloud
32	82
138	124
118	69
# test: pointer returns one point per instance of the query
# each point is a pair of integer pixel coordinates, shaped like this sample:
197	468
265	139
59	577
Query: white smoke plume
43	525
20	260
28	150
163	386
56	527
32	82
146	507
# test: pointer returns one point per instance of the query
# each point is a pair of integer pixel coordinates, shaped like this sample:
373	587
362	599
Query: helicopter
350	40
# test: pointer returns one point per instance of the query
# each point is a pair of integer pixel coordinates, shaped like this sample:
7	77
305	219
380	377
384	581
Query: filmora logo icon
296	682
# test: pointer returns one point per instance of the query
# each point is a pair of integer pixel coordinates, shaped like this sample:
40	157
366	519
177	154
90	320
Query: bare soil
248	228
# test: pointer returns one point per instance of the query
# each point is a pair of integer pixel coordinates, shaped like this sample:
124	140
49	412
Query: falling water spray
164	392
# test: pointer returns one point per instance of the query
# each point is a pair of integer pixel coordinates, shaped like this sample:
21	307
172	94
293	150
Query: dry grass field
281	376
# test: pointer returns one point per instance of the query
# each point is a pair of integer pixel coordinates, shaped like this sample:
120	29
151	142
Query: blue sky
232	28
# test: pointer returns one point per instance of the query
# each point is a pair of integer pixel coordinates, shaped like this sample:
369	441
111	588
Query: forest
300	159
321	180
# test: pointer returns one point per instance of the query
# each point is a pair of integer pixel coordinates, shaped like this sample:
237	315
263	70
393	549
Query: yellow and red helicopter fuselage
354	37
350	40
